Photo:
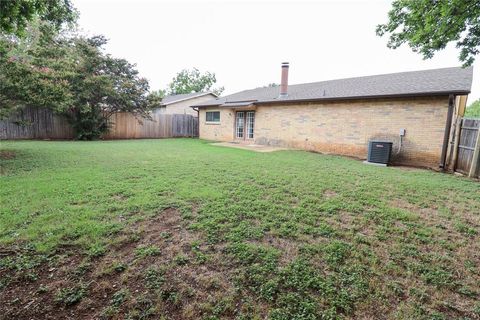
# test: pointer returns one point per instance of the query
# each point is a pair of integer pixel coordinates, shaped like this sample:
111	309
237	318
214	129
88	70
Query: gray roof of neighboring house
181	97
415	83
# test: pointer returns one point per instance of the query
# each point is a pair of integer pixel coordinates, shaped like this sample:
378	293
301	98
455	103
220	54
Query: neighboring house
341	116
181	103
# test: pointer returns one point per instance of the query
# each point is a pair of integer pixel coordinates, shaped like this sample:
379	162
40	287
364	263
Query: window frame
240	135
249	125
213	117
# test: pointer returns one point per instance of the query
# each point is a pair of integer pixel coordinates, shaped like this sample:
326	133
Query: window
213	116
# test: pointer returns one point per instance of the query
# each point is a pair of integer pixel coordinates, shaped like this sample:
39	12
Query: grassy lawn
180	229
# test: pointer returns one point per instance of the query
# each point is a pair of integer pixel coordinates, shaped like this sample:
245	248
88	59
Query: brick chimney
284	83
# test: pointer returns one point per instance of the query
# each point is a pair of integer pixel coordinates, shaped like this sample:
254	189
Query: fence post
475	167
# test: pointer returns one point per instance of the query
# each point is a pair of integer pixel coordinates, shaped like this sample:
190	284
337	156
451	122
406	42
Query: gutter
446	136
198	111
386	96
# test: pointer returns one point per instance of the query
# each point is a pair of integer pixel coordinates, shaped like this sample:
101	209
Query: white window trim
213	122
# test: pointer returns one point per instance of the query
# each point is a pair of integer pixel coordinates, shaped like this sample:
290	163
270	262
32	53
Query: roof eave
207	105
185	99
389	96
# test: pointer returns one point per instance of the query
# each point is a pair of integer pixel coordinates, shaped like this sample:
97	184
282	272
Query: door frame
245	133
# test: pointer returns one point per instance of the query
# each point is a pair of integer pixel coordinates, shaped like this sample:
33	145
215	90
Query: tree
189	81
427	26
158	94
72	76
103	85
15	15
473	110
32	71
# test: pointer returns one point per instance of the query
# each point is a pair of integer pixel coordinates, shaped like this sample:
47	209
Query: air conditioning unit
379	152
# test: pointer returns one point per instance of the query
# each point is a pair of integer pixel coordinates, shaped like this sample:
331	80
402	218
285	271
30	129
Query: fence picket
35	123
467	146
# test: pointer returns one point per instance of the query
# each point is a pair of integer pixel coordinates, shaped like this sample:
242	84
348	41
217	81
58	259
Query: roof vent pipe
284	83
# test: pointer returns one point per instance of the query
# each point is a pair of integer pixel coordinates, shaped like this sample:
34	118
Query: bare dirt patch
289	248
120	197
157	267
7	154
329	194
433	218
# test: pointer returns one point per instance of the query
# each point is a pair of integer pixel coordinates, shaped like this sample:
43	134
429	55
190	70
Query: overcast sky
244	42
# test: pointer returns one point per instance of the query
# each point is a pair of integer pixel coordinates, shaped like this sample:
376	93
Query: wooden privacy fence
466	158
36	123
126	126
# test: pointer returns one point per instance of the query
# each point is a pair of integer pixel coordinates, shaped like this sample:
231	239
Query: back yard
180	229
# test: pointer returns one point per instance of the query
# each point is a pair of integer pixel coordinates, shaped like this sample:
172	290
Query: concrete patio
251	147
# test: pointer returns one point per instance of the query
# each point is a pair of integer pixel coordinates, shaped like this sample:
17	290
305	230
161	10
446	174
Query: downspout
196	109
446	136
198	122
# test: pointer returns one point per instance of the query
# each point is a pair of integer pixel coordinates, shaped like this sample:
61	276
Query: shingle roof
415	83
180	97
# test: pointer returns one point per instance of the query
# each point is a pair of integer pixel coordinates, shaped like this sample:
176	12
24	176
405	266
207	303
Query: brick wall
346	127
218	132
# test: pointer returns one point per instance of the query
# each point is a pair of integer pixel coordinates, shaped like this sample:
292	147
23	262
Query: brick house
180	103
341	116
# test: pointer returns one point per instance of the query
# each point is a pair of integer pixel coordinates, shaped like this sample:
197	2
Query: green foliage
96	250
476	309
147	251
30	71
154	278
119	297
143	309
336	252
15	15
293	306
247	253
117	300
473	110
81	269
427	26
466	229
437	276
181	259
189	81
4	282
158	94
72	76
119	267
71	295
23	265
